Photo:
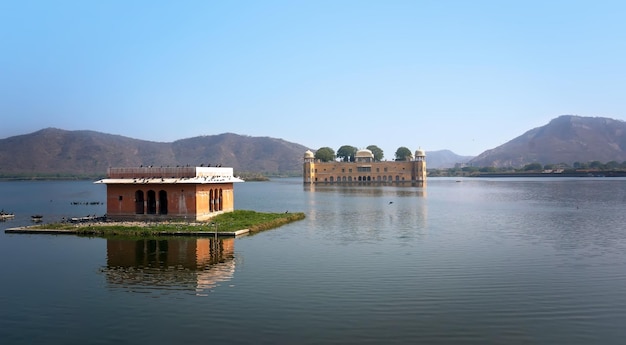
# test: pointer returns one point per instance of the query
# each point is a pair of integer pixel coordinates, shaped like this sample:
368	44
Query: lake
478	261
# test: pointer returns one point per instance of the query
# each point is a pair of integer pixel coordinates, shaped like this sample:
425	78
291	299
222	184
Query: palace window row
364	179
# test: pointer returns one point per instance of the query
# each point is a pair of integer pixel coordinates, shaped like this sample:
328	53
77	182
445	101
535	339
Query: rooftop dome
365	153
420	152
309	154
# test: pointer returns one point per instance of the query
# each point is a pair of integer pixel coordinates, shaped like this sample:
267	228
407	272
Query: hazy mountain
55	151
443	159
566	139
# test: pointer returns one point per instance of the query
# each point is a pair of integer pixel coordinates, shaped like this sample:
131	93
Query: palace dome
420	153
365	153
309	155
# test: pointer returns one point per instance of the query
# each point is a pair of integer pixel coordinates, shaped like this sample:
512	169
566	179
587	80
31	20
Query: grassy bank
226	222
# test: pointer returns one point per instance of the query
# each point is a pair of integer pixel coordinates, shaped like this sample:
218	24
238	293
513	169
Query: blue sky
461	75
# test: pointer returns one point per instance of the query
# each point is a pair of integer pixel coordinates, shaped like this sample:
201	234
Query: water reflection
367	213
165	265
372	189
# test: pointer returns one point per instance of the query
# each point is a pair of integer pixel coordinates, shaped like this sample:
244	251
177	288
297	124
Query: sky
466	76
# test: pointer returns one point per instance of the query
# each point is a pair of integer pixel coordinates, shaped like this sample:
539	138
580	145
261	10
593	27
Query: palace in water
365	169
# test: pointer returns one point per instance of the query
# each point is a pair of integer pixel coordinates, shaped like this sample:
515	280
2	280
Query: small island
234	223
168	201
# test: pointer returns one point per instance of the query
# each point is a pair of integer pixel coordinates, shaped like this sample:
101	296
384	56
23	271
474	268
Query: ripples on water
502	261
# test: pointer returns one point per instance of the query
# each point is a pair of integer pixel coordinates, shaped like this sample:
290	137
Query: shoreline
232	224
93	230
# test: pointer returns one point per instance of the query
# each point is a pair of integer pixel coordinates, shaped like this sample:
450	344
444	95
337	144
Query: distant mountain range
566	139
70	153
443	159
49	152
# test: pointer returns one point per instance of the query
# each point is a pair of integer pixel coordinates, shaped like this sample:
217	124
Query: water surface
481	261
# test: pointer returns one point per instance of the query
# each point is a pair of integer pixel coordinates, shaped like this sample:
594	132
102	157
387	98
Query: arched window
221	200
162	202
139	202
151	202
211	200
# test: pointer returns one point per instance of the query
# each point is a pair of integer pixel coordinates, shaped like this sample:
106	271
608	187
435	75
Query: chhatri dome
309	155
420	153
364	153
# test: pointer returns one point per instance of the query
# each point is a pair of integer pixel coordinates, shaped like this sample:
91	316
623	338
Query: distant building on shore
163	193
366	170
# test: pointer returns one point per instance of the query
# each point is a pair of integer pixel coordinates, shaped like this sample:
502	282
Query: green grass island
233	223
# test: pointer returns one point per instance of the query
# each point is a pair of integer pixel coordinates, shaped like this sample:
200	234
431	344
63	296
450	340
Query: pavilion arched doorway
162	202
139	202
151	202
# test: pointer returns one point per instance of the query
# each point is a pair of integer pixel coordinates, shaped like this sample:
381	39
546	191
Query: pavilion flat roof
169	175
183	180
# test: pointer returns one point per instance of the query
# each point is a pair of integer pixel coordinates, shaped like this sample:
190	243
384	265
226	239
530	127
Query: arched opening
139	202
221	204
162	202
211	200
151	202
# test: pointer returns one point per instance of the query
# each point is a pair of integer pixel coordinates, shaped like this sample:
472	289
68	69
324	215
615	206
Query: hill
56	152
443	159
566	139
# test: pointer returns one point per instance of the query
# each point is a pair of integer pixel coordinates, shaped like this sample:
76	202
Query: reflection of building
152	193
181	263
365	170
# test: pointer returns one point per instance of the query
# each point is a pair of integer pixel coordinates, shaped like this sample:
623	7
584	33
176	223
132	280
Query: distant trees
611	165
346	153
403	154
378	153
612	168
596	165
325	154
533	167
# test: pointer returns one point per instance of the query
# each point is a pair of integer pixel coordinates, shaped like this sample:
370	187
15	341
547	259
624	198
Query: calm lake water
480	261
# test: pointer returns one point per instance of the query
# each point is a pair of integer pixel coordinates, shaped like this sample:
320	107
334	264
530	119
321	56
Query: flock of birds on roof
205	178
